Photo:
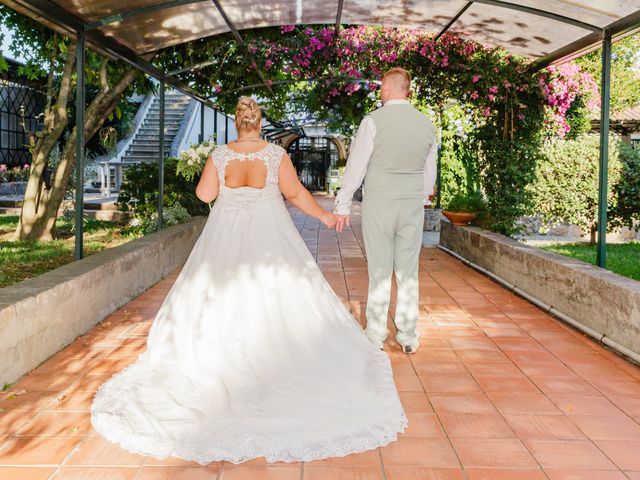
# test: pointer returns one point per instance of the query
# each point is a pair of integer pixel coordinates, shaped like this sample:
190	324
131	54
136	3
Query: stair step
167	121
167	118
141	158
146	144
156	130
169	110
174	106
167	115
146	153
156	125
149	152
11	203
10	210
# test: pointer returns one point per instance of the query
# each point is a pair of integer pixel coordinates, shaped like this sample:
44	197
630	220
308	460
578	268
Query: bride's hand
329	219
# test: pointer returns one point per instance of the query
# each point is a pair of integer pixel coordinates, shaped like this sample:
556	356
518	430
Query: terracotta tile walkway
499	390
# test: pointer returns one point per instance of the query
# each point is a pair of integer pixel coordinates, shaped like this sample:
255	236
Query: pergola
546	31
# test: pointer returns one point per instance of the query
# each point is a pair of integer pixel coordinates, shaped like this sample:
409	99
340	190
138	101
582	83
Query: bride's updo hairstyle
248	114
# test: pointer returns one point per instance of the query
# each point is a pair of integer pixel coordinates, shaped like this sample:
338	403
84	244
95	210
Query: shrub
172	215
627	189
139	190
15	174
566	186
465	202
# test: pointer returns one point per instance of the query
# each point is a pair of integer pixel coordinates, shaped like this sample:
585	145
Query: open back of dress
247	170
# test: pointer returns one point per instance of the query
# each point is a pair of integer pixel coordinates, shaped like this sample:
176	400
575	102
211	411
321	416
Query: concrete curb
40	316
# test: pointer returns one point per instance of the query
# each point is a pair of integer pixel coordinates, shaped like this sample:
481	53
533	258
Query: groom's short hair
398	77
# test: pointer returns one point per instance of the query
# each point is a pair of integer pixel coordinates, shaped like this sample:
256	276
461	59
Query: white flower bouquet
193	159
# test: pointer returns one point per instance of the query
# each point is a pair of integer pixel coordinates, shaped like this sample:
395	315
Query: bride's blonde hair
248	114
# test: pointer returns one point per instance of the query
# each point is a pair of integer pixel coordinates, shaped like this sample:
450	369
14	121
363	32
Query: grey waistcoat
403	138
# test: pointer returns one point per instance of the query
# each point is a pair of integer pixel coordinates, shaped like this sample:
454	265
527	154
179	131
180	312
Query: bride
252	354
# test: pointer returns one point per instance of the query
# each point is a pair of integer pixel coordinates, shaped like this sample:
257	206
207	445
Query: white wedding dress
252	353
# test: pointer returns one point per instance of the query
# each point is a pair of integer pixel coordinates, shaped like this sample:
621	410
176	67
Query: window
17	101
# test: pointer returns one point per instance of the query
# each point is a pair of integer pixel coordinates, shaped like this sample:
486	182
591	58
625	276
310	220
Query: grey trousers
392	231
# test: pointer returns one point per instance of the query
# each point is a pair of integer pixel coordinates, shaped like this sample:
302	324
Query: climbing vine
309	69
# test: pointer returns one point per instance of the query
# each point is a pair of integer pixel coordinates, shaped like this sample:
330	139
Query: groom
394	152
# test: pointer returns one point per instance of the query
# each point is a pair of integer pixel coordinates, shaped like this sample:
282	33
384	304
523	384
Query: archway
315	158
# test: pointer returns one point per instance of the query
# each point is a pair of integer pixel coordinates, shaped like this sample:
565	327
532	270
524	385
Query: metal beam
452	21
338	18
119	17
195	66
215	126
619	29
106	45
201	122
541	13
79	166
296	80
161	157
239	39
605	82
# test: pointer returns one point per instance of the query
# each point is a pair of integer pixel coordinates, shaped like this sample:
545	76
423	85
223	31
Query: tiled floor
499	390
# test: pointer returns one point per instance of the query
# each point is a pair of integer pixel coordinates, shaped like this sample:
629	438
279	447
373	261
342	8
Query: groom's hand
342	220
329	219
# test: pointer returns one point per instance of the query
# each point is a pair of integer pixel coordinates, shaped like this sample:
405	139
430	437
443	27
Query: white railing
121	148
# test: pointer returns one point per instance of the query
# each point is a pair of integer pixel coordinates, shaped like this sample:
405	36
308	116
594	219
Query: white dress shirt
361	150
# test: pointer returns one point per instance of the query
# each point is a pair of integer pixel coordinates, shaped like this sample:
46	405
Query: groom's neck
395	98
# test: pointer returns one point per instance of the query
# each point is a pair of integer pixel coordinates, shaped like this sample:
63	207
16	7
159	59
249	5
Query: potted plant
464	207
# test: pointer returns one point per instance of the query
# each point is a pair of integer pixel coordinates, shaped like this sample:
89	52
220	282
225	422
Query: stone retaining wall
40	316
13	188
602	301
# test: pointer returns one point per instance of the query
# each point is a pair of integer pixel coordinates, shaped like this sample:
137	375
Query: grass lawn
27	259
622	258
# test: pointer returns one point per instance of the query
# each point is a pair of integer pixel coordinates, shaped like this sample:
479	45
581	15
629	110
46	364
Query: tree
53	55
625	77
566	186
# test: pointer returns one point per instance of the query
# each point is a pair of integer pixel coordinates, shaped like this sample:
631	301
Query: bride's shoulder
277	150
219	149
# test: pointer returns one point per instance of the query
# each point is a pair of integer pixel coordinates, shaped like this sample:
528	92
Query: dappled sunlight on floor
498	390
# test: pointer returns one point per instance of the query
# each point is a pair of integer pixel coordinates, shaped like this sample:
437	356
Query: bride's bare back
242	173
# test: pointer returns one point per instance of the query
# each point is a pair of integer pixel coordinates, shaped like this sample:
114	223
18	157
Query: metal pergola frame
89	33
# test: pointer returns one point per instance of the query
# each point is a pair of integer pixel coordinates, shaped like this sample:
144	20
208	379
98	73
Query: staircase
145	146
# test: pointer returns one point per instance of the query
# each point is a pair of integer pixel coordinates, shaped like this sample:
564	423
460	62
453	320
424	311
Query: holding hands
329	219
334	220
342	220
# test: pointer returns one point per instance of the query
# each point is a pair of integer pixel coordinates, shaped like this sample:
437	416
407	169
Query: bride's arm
209	184
299	196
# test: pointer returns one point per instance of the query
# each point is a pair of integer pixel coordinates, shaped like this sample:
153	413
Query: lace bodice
270	154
